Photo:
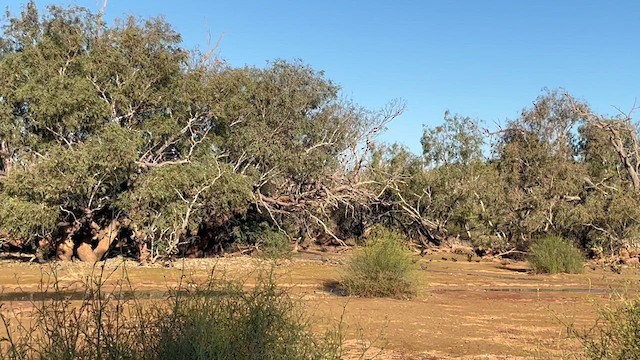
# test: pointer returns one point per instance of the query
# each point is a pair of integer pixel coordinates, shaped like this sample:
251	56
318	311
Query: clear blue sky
483	59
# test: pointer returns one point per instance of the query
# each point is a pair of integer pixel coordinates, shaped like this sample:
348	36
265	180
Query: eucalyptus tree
117	132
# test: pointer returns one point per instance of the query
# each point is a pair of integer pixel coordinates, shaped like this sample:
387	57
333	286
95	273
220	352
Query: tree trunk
627	153
145	254
86	254
65	250
105	238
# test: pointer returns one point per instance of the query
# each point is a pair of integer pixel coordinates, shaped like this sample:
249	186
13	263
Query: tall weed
218	319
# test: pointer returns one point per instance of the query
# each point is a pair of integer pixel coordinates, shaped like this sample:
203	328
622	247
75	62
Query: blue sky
483	59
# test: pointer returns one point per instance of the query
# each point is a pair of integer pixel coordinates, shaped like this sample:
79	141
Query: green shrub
26	220
274	244
216	320
271	242
382	269
227	322
615	336
554	255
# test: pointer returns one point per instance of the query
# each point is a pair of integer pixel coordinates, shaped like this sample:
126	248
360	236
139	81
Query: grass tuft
554	255
384	268
227	322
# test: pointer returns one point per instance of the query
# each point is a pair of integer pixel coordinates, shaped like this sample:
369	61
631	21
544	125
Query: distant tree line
557	170
117	137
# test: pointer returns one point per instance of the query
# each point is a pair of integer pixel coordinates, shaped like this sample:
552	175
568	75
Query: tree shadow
514	269
333	287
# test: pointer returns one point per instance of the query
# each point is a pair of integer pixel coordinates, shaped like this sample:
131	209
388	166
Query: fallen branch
512	251
17	256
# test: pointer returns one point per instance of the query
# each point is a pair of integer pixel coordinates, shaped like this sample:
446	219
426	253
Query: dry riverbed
464	309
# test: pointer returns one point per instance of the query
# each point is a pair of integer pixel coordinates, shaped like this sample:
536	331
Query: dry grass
216	319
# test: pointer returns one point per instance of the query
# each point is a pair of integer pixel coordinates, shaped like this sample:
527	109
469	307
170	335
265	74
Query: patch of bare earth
464	309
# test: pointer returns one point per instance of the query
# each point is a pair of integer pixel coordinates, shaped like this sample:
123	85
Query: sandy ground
464	309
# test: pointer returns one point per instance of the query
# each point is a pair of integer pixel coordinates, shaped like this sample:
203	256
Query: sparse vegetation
215	320
552	255
227	322
383	268
615	336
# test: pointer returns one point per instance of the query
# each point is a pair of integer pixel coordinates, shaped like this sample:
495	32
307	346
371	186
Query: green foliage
291	105
80	178
616	335
610	208
537	171
217	319
462	196
274	244
26	220
457	141
456	197
120	120
544	179
47	57
554	255
227	322
609	220
172	201
68	183
382	269
396	165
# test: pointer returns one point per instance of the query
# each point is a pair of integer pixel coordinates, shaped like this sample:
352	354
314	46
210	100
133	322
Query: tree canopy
121	128
115	135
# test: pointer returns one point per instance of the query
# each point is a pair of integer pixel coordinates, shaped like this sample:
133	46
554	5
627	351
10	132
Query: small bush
270	242
78	321
554	255
382	269
216	320
274	244
230	323
615	336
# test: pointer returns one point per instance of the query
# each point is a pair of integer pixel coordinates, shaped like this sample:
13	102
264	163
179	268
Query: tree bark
86	254
65	250
628	154
105	238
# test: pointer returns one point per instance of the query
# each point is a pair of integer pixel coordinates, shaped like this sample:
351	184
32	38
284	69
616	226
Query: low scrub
226	322
274	244
554	255
216	320
271	243
382	269
615	336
